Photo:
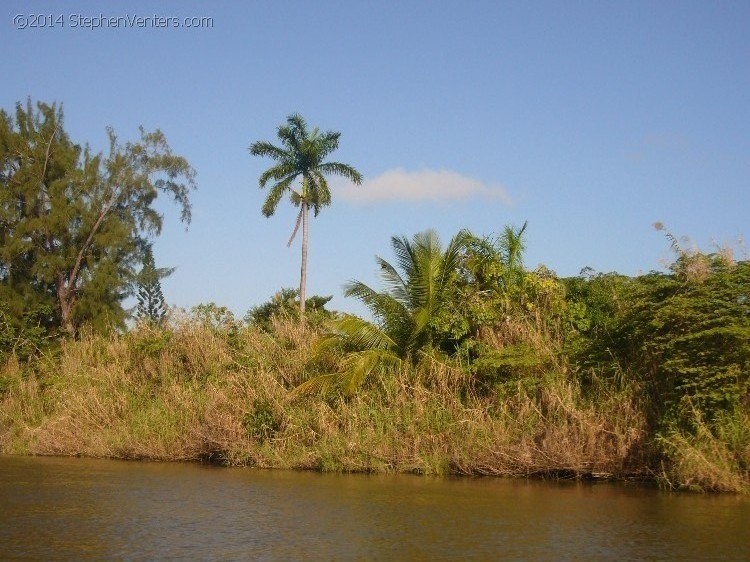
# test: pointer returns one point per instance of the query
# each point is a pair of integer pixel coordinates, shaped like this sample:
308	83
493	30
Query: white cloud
425	185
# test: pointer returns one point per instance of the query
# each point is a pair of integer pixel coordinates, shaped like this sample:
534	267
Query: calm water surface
79	509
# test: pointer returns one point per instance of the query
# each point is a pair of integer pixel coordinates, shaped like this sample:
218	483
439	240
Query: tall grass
195	392
712	457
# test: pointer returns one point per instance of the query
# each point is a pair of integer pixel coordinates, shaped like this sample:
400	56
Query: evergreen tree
73	223
151	306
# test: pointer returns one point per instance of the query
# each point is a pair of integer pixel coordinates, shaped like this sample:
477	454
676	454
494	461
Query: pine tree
151	306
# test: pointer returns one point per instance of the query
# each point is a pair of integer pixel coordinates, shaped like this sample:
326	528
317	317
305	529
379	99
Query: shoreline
560	476
196	394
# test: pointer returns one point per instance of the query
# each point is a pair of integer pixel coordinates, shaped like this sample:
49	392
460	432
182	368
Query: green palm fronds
301	156
418	289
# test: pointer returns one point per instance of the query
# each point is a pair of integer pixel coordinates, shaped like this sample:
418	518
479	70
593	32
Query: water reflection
85	509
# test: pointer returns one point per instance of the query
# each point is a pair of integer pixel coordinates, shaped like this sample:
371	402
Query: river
82	509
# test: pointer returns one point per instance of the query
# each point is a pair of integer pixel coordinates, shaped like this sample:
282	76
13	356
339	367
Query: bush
285	304
261	423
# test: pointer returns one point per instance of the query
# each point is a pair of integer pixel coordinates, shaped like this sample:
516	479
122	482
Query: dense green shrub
688	334
285	304
262	422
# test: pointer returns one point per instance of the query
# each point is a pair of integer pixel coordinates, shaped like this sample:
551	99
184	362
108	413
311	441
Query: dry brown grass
706	462
197	394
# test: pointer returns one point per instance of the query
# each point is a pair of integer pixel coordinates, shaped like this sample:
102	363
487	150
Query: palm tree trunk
303	270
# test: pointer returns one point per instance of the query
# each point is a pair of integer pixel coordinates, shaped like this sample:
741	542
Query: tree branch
82	253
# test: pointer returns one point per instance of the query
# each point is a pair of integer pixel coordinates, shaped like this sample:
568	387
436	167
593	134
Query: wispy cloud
424	185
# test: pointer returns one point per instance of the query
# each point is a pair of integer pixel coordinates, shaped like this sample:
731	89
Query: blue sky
591	120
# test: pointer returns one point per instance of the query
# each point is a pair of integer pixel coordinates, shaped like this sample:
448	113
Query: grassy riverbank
197	392
473	364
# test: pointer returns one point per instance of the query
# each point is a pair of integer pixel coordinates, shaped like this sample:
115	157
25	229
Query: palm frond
382	305
343	170
277	173
320	385
427	257
295	197
361	334
452	257
275	195
297	123
263	148
294	133
405	258
513	246
296	228
422	317
357	366
329	343
328	142
395	284
318	193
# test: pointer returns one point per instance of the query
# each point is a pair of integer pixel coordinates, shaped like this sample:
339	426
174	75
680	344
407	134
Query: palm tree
419	292
494	264
301	156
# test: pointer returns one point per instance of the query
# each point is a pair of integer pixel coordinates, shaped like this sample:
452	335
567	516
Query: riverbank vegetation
470	363
500	371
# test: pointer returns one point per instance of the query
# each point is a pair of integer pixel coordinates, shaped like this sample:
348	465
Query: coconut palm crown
301	156
419	291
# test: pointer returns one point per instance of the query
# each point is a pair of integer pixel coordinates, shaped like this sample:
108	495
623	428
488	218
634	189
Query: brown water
78	509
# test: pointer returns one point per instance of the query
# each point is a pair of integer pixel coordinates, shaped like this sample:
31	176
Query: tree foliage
213	316
285	303
683	335
596	304
301	156
507	323
492	276
409	315
151	306
688	334
74	223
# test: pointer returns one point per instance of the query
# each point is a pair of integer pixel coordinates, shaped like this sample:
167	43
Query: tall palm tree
419	291
301	156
